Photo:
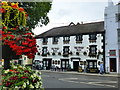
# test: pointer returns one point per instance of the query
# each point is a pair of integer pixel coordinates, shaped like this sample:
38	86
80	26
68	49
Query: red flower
14	78
21	9
14	28
8	83
4	27
24	43
26	71
2	10
24	77
34	81
14	6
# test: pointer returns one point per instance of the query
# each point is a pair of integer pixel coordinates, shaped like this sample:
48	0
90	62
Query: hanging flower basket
21	77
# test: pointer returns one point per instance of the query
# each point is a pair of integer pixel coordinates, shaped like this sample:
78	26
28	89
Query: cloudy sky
65	11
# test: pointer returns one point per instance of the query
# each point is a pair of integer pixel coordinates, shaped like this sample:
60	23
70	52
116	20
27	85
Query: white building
112	37
72	45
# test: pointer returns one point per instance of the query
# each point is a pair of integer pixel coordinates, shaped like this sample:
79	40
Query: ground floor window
47	63
64	63
92	64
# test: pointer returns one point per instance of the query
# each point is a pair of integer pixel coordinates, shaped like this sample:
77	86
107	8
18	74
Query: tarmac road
67	80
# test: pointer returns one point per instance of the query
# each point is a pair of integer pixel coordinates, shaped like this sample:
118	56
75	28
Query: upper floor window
93	50
79	38
45	40
118	17
92	37
55	40
44	51
66	50
66	39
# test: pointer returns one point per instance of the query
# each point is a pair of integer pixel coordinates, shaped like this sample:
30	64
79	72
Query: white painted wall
85	43
111	35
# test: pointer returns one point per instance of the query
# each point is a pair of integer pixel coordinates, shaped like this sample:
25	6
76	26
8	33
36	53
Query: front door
47	63
75	65
64	63
112	64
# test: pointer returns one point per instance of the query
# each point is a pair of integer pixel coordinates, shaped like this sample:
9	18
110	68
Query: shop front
92	66
64	63
47	62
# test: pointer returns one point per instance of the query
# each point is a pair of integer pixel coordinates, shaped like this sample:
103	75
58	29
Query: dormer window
92	37
79	38
66	39
45	40
55	40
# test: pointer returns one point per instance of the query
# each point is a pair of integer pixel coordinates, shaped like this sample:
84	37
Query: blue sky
65	11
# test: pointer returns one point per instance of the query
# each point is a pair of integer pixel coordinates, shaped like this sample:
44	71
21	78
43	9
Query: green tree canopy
37	13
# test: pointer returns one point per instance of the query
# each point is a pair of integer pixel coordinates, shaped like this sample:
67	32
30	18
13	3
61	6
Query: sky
63	12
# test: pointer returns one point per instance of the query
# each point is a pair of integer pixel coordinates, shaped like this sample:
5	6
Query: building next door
47	63
64	63
112	64
75	65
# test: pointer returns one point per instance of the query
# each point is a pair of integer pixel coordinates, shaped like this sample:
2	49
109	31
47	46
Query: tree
16	33
37	13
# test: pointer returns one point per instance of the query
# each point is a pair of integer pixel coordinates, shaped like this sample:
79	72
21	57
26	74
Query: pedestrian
101	68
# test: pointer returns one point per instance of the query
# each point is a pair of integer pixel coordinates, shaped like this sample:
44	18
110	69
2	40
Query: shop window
56	62
53	62
92	64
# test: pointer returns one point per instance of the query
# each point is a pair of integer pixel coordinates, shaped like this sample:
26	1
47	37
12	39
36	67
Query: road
66	80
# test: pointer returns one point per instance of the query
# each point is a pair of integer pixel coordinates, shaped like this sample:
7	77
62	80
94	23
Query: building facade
72	46
112	37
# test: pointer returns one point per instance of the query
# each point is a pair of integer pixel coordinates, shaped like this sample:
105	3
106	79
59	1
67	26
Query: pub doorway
47	62
112	64
75	65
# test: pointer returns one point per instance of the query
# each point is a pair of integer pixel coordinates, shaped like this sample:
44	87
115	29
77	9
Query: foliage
15	33
21	41
21	77
37	12
12	15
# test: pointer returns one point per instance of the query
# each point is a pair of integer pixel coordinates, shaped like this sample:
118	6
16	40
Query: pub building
72	46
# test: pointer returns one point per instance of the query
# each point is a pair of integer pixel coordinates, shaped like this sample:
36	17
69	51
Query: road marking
45	76
90	83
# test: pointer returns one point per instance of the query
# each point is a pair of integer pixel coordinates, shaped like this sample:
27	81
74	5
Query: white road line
90	83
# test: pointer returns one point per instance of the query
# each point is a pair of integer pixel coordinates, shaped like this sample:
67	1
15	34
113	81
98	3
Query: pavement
83	73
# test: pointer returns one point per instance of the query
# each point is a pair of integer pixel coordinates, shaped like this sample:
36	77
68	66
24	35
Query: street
66	80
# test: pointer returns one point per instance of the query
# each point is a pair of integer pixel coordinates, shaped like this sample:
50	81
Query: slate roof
95	27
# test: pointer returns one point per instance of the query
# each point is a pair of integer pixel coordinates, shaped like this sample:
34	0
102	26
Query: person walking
101	68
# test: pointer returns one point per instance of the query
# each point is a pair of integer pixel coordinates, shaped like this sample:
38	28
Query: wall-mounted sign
112	53
55	49
78	48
